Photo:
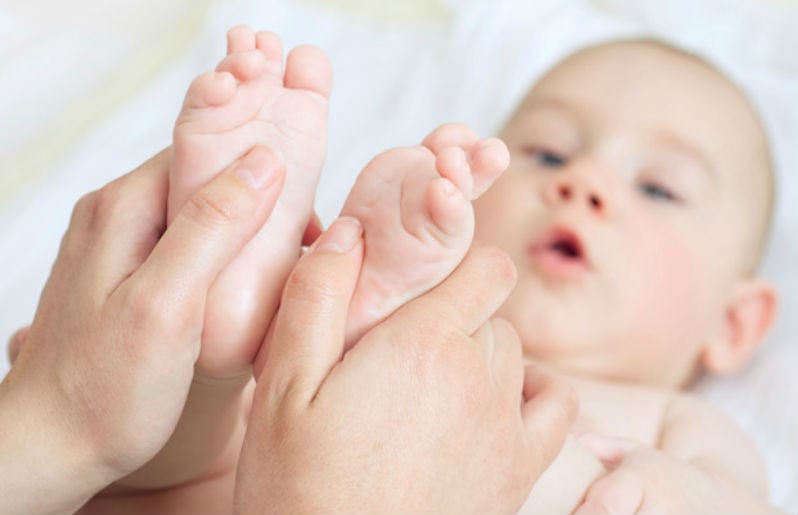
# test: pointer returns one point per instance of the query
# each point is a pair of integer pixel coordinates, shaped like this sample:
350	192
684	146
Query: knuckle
81	225
108	200
152	310
211	210
85	213
432	350
306	285
85	207
97	210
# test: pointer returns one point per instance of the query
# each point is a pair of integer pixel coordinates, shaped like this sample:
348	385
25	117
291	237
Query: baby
635	209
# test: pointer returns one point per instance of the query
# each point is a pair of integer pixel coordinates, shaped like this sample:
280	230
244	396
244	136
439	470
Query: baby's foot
415	207
251	99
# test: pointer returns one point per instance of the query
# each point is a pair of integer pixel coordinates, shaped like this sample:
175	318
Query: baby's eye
548	159
656	192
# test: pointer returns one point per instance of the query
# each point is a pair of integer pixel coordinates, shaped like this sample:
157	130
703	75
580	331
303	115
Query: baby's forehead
644	83
620	65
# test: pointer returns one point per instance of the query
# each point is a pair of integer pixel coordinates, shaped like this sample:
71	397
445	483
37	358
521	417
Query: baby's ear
748	317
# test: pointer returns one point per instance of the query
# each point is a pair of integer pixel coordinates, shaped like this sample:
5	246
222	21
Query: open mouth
560	253
568	246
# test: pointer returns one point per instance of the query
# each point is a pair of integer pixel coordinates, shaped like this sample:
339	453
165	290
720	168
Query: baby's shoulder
696	431
624	410
684	409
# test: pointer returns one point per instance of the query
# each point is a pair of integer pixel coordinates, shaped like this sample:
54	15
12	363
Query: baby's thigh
561	488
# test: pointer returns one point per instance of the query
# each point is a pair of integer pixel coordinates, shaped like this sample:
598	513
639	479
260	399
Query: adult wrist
40	452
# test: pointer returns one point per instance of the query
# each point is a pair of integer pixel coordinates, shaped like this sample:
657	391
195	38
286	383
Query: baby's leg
415	207
251	99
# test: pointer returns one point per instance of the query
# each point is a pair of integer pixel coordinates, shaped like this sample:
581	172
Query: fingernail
342	235
258	171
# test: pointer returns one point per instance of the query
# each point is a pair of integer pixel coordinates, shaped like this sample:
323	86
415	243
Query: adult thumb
212	227
306	339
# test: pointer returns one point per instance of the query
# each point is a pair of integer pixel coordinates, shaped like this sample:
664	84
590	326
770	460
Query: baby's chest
622	412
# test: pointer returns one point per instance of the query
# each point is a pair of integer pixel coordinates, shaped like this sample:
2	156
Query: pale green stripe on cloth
397	11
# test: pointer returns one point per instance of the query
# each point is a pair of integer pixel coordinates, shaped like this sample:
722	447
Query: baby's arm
704	464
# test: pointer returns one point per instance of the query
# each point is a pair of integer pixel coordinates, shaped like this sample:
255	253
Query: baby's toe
452	164
269	44
240	39
448	210
244	66
488	159
210	89
450	135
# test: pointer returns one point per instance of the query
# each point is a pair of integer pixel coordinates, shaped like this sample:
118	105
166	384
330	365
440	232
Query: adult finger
507	361
212	227
308	334
129	217
113	229
16	342
618	493
548	412
468	297
610	450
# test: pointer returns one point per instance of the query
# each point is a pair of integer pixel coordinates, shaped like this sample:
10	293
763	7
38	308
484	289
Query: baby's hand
642	479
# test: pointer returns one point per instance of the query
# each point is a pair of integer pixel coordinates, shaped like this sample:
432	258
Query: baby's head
636	207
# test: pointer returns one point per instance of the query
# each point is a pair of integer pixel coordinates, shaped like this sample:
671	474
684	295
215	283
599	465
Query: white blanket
87	92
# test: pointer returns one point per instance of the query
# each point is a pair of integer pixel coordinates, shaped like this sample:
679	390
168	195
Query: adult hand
104	371
424	414
642	479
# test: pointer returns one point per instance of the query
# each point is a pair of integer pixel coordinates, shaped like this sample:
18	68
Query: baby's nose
572	191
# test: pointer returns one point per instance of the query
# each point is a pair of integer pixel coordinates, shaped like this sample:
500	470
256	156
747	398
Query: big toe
210	89
308	67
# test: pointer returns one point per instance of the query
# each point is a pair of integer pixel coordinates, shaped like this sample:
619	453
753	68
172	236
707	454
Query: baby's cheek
674	288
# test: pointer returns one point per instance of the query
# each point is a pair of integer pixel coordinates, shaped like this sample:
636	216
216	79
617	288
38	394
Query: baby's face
627	210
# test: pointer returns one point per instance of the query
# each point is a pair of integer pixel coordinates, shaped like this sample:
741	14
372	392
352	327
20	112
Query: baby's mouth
560	253
567	247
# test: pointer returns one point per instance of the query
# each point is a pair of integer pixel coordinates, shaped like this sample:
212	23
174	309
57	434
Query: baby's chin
558	352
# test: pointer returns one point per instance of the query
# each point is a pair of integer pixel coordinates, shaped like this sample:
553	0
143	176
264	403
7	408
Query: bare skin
253	98
616	210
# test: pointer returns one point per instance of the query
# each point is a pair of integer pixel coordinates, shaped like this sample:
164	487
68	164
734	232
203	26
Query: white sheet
69	123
